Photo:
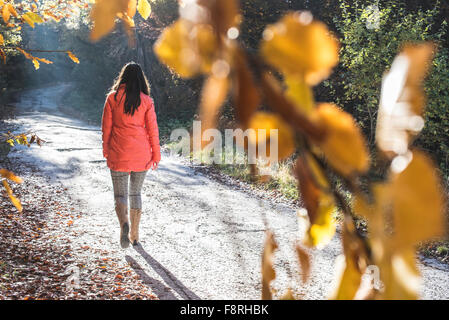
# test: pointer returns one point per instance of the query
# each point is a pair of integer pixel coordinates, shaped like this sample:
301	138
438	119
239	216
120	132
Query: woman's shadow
161	290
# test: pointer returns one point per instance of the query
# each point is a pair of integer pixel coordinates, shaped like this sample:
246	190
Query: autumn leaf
13	199
298	45
36	64
2	40
344	145
144	8
13	11
320	206
300	93
132	8
418	203
6	13
262	123
31	18
323	229
103	15
44	60
308	187
186	48
10	176
348	279
400	276
73	57
351	266
268	272
275	98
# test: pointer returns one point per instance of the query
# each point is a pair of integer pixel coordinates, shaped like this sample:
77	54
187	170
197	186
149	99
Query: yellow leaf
320	206
323	229
300	46
36	64
400	275
344	145
13	11
103	15
268	272
31	18
418	202
186	48
13	199
73	57
350	268
10	176
6	13
300	93
269	121
144	8
276	99
28	20
132	8
348	279
2	40
311	184
44	60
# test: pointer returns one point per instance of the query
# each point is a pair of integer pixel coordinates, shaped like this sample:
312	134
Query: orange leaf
6	13
13	199
10	176
103	15
73	57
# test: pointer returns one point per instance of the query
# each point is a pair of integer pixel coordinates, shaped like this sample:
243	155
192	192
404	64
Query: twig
33	50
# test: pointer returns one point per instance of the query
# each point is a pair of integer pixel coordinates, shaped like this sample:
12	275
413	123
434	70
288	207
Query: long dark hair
135	82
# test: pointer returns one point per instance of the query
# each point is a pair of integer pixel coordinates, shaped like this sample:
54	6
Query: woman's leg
120	185
135	199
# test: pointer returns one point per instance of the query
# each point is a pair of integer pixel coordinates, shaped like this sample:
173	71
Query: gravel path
201	239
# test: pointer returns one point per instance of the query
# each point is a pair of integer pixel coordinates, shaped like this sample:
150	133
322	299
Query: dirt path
200	239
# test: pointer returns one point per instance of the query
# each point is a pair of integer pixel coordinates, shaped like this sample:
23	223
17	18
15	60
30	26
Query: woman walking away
130	145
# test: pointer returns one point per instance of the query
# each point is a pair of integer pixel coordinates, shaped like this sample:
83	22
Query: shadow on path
160	290
165	274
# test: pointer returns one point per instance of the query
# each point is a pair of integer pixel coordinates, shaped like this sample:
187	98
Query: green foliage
367	52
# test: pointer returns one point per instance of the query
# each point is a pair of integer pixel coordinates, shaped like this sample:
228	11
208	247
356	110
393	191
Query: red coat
130	143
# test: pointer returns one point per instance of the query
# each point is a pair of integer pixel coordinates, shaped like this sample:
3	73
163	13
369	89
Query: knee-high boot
122	214
135	215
